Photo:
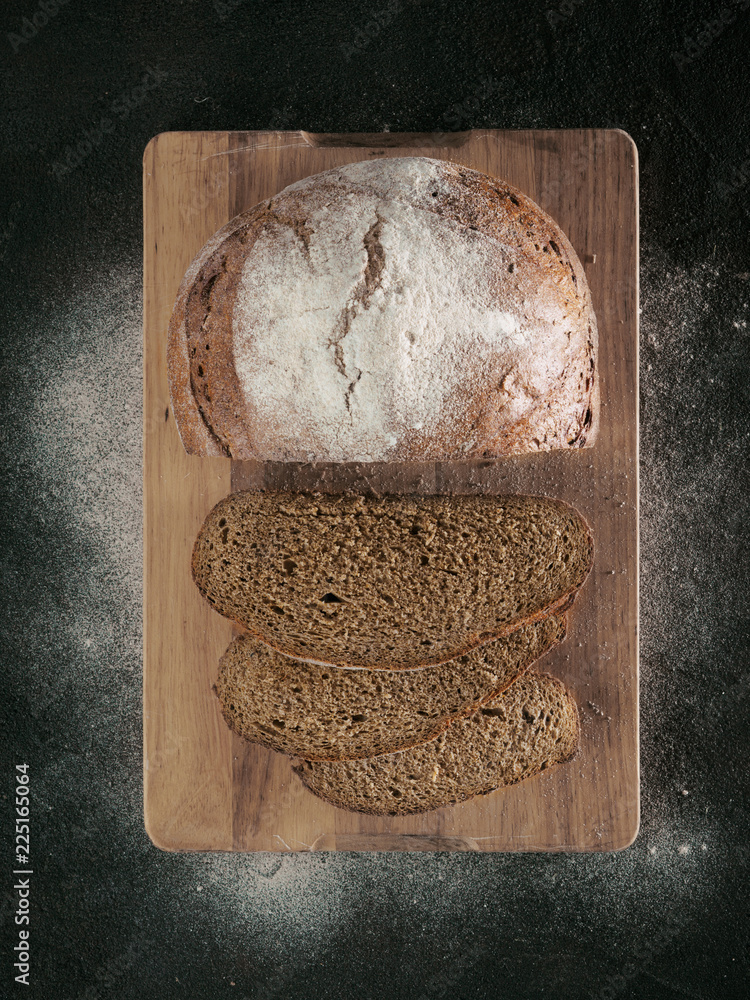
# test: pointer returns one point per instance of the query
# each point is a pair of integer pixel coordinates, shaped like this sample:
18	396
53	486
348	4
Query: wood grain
204	789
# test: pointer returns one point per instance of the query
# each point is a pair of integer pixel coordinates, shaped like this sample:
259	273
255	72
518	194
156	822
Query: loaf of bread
392	582
532	726
323	713
398	309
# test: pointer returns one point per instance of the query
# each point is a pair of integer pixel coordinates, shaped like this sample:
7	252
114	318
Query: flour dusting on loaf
398	309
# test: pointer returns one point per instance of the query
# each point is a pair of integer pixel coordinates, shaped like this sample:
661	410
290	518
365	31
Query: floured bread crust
390	310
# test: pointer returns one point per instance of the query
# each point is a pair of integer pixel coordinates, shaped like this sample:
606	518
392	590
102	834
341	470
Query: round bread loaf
403	309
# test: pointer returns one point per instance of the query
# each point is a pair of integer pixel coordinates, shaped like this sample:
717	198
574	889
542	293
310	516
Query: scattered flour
83	445
288	912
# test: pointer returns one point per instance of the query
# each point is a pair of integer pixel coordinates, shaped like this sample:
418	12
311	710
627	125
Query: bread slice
324	713
532	726
393	582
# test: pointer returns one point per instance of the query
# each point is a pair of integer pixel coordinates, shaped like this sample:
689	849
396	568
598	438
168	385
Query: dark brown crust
195	430
214	418
298	769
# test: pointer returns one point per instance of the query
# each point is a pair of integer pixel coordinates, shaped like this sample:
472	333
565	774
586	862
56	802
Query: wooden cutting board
204	789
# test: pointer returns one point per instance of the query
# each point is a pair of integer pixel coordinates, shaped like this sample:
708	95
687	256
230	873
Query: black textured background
111	915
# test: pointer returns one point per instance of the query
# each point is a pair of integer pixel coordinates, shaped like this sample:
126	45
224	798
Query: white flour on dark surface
278	916
84	419
112	916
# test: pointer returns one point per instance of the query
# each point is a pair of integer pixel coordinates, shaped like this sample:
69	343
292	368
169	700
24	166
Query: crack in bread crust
366	286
